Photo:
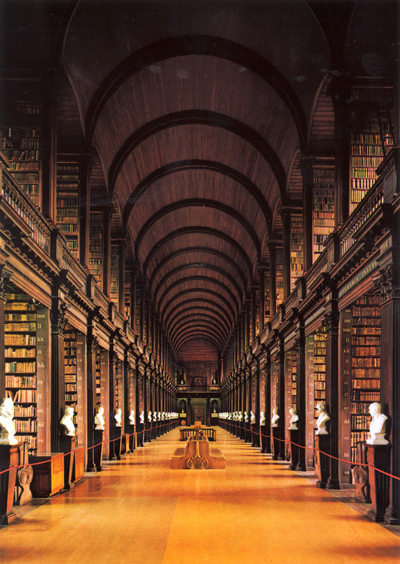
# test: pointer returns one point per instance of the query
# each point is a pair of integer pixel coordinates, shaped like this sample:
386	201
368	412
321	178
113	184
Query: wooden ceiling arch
198	311
175	312
195	45
201	230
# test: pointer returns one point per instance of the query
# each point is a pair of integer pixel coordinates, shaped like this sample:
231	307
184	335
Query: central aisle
140	511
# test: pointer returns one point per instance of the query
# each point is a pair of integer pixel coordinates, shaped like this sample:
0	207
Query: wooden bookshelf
70	359
21	365
371	134
296	250
319	370
323	207
365	366
98	377
279	275
96	246
114	275
67	218
21	146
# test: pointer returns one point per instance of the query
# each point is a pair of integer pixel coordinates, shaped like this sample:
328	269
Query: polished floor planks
140	511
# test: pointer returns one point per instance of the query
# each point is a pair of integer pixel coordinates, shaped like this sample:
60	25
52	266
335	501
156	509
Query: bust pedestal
276	444
378	458
115	443
139	434
23	492
265	440
8	459
98	449
322	443
68	445
131	438
294	449
255	433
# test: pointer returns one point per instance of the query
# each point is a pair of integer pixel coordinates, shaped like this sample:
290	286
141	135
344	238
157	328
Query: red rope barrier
288	441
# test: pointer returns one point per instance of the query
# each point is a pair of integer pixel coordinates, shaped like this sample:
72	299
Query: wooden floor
140	511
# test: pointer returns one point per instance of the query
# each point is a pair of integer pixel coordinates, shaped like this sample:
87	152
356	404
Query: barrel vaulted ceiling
196	112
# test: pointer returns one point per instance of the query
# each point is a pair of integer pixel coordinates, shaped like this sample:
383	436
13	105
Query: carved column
301	392
331	322
58	322
390	371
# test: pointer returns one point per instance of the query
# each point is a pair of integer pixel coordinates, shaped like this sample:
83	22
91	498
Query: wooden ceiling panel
209	242
199	146
198	216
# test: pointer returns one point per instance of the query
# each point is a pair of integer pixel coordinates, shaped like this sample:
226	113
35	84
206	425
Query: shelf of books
114	275
296	250
70	360
371	134
67	218
365	366
20	142
96	246
279	275
119	385
323	207
20	365
98	377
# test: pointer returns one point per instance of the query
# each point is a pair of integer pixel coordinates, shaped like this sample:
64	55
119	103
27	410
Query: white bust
252	418
377	426
67	423
7	430
245	417
141	417
99	419
275	417
293	419
154	416
149	417
159	416
262	418
118	417
163	416
240	415
132	417
322	420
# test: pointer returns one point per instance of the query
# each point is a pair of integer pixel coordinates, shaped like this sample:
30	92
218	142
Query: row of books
20	340
20	367
371	383
20	381
11	352
366	362
359	422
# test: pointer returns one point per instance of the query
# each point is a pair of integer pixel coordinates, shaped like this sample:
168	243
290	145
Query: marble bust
118	417
322	420
99	419
149	417
245	417
132	417
262	418
67	424
154	416
377	426
141	417
240	415
275	417
293	419
7	430
252	418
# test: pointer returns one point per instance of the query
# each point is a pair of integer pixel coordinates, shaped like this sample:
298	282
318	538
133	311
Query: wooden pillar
121	276
272	279
133	293
280	357
390	370
106	274
301	394
286	224
331	322
306	166
58	322
253	313
49	149
84	211
261	298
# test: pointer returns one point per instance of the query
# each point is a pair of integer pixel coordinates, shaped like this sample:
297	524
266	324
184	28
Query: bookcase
70	359
119	385
20	142
296	250
98	376
319	370
279	275
323	206
20	365
114	275
371	133
365	366
294	378
96	246
67	218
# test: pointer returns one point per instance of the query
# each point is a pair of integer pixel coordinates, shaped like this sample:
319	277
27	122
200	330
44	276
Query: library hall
199	281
